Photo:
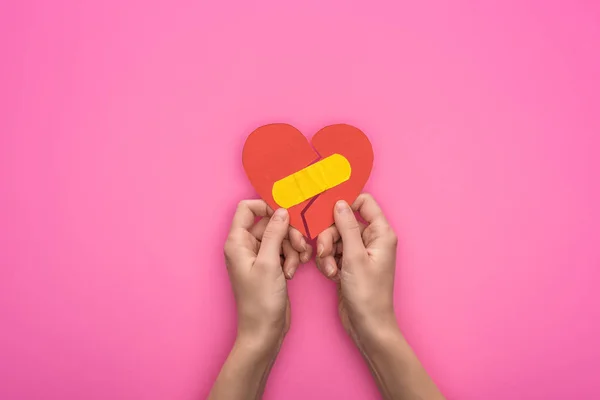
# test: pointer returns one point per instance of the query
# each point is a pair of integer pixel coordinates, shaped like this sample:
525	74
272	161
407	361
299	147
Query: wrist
262	343
245	372
375	334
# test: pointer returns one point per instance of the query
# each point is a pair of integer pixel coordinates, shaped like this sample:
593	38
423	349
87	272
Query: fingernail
320	250
280	214
330	270
290	274
304	257
303	244
342	207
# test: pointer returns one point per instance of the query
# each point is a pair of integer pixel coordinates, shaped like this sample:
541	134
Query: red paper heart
273	152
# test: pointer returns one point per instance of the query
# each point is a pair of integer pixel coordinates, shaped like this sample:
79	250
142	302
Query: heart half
288	172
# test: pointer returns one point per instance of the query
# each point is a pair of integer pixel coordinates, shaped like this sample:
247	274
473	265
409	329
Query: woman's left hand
259	257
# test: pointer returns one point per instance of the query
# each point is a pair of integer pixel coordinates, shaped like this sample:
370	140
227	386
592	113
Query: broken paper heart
308	178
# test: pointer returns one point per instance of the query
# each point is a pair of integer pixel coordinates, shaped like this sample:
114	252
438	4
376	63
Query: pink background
121	127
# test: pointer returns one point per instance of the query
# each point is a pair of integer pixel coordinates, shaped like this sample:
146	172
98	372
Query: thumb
349	229
275	232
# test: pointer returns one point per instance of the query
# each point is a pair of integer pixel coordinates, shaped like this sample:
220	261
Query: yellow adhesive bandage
312	180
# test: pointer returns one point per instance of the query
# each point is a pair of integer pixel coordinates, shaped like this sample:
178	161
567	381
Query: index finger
247	211
369	210
326	241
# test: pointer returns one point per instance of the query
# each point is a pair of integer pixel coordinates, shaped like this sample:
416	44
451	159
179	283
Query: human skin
259	257
361	258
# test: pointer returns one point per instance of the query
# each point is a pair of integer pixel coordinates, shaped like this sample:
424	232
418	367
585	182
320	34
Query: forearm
395	367
244	374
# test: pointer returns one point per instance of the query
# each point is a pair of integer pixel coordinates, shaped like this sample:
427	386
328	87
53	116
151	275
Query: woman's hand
362	259
259	256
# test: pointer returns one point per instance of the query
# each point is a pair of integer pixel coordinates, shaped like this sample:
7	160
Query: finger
246	213
379	227
258	229
292	259
339	249
299	244
305	257
329	243
326	241
272	239
296	239
369	210
349	229
328	266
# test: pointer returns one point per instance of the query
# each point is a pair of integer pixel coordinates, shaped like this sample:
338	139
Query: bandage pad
287	172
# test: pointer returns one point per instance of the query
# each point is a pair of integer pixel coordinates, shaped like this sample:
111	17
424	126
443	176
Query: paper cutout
311	181
276	153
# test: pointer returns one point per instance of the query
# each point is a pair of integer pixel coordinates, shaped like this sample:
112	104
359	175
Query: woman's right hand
362	259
